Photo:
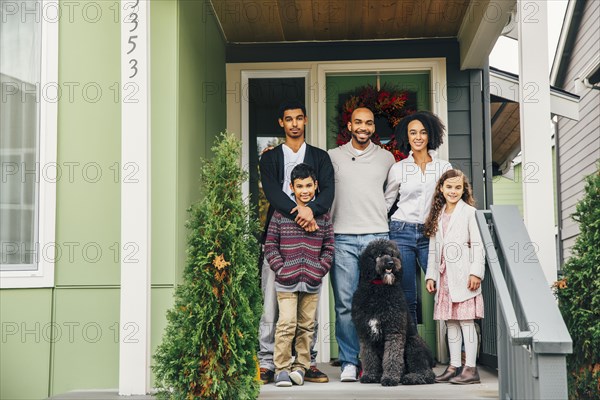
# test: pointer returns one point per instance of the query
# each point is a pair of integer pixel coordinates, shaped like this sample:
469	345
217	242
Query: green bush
579	296
209	347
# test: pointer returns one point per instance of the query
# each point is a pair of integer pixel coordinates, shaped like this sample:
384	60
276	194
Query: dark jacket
271	177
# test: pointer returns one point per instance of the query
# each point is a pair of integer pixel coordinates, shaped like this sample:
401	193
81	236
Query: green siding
89	133
86	352
200	116
82	312
507	191
25	345
163	69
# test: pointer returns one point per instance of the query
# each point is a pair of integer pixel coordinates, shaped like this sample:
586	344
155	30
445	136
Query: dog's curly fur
391	350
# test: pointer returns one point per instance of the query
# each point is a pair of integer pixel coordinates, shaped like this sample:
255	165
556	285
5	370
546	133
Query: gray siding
579	141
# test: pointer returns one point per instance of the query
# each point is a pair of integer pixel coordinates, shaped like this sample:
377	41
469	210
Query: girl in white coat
455	270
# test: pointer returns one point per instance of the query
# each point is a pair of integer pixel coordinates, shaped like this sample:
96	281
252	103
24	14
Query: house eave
480	31
505	85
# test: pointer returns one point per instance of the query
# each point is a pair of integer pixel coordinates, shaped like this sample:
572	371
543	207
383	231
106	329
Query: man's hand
305	217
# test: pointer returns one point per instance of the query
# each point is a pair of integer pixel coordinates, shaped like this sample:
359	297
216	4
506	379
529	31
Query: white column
134	339
536	147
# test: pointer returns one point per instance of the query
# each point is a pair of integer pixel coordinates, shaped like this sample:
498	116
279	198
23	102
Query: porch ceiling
246	21
506	132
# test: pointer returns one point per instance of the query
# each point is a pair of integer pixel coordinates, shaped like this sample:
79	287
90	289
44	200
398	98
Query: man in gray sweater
359	214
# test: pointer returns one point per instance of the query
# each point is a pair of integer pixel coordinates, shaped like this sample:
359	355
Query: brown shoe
467	376
450	372
314	375
266	375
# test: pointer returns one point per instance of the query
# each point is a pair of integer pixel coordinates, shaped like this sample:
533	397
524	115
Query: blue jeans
344	281
414	249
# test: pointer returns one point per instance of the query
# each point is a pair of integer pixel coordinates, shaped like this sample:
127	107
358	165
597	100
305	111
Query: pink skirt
445	309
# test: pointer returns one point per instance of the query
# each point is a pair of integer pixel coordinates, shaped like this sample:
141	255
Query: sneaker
283	379
314	375
349	373
266	375
297	377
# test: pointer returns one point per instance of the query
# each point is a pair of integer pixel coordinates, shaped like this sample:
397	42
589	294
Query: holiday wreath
387	103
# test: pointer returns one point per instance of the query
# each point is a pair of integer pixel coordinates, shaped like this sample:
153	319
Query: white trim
438	86
581	82
562	41
134	344
508	88
481	27
46	201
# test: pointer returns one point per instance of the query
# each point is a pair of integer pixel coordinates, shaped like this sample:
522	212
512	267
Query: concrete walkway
334	389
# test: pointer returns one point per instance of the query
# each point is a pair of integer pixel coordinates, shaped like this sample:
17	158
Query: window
28	65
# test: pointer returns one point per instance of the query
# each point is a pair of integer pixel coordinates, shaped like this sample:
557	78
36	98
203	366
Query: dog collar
377	282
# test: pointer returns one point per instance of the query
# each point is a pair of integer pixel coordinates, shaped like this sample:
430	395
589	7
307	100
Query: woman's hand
474	283
430	285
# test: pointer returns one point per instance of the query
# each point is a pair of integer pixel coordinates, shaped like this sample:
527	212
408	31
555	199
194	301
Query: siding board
579	141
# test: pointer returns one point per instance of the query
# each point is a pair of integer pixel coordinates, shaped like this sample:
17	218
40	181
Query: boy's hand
474	282
430	285
305	216
312	226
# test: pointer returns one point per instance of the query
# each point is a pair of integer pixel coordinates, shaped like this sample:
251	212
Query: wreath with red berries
387	103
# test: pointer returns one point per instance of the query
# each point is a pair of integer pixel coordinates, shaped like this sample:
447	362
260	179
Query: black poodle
391	350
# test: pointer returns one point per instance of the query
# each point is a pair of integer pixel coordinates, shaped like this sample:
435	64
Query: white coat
463	252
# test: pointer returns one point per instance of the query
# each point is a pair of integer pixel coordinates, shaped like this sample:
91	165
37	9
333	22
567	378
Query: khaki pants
297	312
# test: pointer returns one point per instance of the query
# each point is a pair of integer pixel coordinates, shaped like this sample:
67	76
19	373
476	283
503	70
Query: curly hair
432	124
438	201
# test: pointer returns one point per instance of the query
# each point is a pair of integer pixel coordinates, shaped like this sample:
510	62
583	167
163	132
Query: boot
467	376
450	372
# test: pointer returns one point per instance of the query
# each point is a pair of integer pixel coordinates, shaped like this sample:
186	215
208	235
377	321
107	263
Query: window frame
43	276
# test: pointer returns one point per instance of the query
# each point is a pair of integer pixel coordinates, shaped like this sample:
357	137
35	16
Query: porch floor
488	389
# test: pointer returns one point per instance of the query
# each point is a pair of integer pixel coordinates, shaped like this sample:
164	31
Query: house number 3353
131	16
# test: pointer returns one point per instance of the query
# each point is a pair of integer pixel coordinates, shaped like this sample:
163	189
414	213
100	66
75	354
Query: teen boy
275	168
300	259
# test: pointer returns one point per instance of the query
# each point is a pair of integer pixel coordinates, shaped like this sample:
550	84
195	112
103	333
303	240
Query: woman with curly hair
455	271
410	185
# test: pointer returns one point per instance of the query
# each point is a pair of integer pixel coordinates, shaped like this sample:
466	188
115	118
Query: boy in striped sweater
300	260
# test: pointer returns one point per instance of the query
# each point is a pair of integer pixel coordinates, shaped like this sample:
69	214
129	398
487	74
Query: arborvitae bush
579	296
208	350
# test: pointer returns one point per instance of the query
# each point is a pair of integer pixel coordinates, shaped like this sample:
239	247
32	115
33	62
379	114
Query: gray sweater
359	206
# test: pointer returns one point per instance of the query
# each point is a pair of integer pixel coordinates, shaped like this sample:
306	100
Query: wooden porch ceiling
506	132
247	21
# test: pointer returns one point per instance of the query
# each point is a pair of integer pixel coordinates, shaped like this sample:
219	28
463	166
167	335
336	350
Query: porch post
134	334
536	146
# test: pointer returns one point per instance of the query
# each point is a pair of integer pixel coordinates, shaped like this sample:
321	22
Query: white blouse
414	187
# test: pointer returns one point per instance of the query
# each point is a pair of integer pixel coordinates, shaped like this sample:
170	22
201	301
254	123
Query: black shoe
266	375
314	375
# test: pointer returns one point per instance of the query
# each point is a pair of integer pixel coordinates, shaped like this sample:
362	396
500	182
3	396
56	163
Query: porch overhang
481	27
477	25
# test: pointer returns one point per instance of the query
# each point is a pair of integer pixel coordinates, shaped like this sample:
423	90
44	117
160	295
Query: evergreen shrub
578	293
208	350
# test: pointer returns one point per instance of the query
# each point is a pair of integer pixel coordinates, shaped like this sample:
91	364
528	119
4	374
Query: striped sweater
299	259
